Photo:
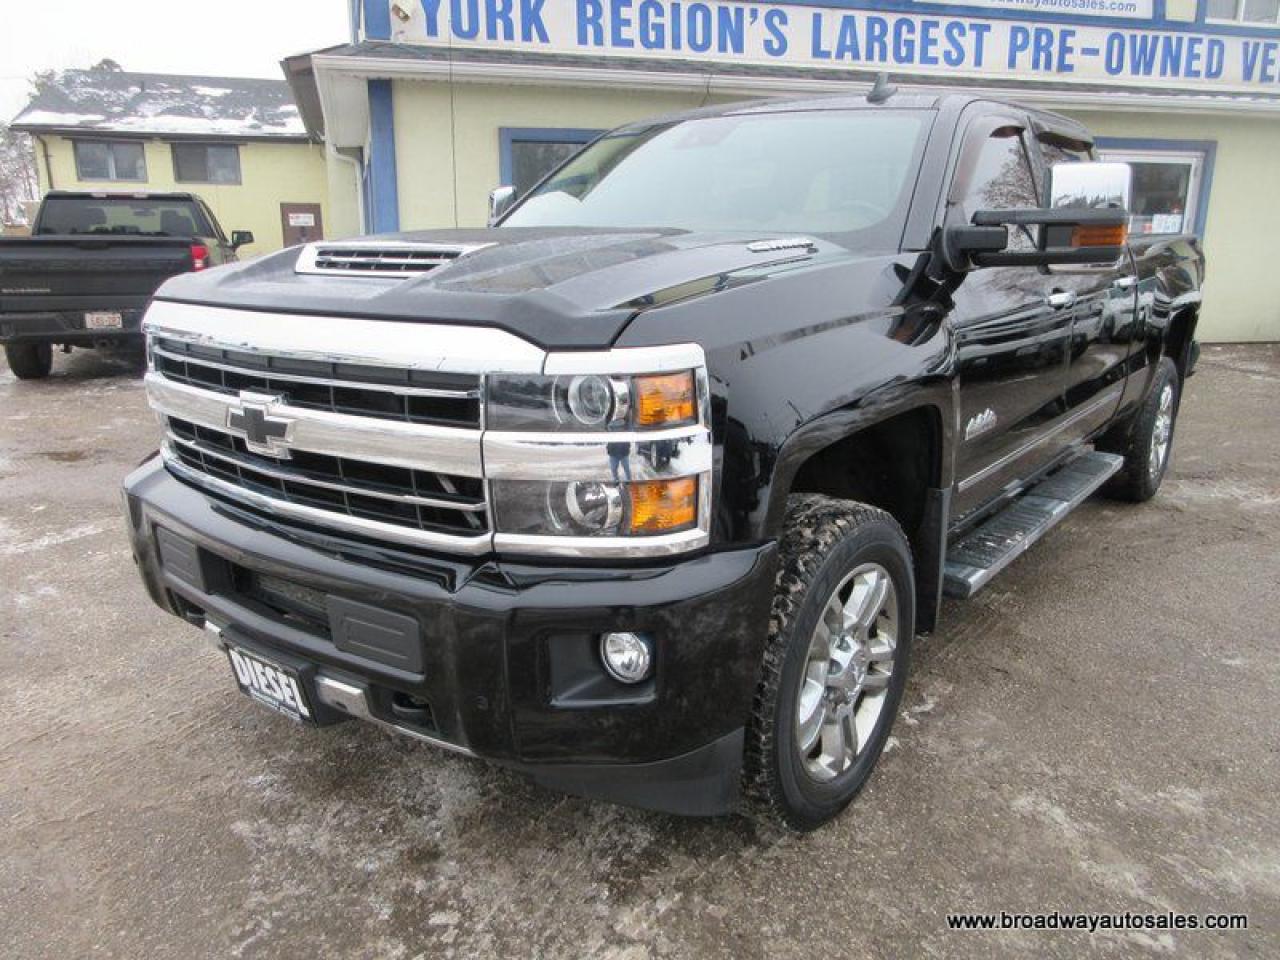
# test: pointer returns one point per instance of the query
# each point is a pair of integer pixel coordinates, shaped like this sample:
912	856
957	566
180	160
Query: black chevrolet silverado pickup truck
645	490
84	276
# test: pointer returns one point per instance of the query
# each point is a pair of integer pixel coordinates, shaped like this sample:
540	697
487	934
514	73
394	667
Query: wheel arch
896	458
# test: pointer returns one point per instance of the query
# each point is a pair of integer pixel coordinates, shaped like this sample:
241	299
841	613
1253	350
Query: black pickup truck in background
646	490
85	275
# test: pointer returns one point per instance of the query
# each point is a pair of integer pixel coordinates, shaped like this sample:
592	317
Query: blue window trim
384	194
507	136
1207	148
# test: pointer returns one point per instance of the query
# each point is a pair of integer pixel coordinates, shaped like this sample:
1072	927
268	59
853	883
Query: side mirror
241	238
501	200
1086	222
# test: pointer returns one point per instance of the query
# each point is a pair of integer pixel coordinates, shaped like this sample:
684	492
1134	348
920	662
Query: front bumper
497	658
68	326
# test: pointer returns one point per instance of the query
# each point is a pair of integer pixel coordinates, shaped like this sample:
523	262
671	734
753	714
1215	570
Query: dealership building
432	103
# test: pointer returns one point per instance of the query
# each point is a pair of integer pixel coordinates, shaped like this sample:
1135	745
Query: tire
1148	443
830	549
29	361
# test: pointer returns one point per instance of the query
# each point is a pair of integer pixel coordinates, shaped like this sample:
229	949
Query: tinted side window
1001	177
1001	180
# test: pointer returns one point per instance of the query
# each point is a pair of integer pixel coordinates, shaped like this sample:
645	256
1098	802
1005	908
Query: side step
990	548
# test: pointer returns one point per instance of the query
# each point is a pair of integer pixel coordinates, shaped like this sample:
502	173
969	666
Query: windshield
846	173
122	216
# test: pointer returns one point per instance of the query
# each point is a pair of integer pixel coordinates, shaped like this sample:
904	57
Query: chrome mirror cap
500	201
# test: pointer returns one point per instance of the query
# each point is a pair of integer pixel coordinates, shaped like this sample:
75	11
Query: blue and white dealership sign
1113	42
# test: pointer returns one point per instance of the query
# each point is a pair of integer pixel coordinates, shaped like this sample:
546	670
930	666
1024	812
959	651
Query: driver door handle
1126	283
1061	299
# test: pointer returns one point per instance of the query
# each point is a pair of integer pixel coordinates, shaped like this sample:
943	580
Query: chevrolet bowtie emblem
251	419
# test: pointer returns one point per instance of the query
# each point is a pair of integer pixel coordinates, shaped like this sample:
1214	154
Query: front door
301	223
1012	332
1104	322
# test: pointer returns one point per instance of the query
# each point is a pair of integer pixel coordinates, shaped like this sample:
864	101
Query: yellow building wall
424	137
270	173
1244	206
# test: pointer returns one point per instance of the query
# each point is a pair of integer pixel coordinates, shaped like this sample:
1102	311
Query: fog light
627	656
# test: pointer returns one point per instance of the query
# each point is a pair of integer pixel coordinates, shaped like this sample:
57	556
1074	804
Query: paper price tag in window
1166	223
302	219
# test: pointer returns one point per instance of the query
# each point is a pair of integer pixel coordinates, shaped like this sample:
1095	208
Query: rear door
1103	319
1012	329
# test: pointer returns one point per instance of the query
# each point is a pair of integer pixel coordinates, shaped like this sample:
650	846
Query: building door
301	223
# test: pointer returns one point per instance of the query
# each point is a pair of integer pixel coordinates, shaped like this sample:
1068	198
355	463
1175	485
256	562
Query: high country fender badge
251	418
980	423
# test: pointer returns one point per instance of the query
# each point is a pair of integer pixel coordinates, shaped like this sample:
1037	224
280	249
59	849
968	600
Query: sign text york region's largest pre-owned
1060	40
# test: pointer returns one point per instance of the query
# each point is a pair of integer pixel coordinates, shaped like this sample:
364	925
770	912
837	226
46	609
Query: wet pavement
1097	731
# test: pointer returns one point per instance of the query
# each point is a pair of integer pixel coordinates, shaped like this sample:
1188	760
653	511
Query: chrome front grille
414	396
415	499
357	445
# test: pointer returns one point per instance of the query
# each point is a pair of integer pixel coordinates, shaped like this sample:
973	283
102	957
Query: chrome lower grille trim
237	461
373	529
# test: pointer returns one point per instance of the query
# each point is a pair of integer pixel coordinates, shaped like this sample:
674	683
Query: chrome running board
984	552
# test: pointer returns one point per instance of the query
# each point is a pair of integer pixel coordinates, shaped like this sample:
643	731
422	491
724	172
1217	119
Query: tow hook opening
412	711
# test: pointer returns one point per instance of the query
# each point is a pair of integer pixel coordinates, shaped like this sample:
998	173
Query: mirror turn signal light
663	506
1109	235
666	400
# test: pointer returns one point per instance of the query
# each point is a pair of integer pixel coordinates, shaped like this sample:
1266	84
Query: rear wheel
29	361
835	661
1148	443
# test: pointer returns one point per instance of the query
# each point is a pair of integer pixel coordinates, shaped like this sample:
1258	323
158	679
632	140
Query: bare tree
18	182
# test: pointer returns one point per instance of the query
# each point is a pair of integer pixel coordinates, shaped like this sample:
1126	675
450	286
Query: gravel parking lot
1097	731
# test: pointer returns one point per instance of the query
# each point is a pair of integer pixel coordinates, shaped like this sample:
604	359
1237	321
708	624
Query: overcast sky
232	38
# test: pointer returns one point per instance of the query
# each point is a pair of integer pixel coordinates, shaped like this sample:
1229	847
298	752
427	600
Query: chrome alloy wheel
1161	431
846	678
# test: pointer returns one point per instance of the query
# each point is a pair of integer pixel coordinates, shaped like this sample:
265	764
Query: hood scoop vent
379	259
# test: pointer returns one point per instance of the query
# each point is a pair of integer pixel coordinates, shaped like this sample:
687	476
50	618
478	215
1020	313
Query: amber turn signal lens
663	506
666	400
1099	236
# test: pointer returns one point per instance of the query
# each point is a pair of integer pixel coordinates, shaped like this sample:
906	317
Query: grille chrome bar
297	476
404	345
319	381
374	529
416	446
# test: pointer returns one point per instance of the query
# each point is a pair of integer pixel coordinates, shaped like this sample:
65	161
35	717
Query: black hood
559	288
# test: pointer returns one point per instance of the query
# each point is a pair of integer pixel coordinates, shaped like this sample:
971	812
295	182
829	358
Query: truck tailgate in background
90	273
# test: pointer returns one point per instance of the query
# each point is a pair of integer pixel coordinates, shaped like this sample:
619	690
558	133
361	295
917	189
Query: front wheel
29	361
835	663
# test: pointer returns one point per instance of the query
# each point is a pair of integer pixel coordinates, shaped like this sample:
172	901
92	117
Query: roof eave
100	133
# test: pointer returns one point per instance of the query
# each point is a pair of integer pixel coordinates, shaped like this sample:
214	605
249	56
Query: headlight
591	402
590	508
601	455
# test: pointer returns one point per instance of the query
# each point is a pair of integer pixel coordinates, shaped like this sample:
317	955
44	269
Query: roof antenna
882	90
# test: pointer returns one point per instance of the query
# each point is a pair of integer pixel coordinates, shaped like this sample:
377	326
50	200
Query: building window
529	154
1243	11
102	160
1170	188
206	163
